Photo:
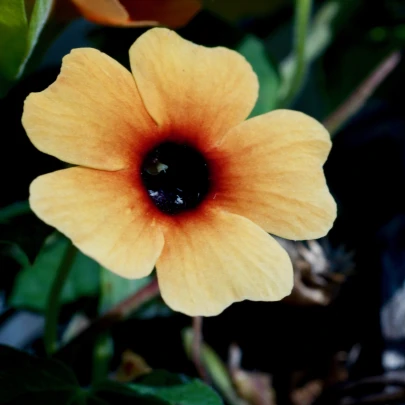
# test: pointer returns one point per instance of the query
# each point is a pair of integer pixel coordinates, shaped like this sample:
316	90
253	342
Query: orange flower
173	13
169	174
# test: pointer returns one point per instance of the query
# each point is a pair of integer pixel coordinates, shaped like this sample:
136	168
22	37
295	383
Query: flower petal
104	214
269	169
214	258
91	116
173	13
109	12
192	89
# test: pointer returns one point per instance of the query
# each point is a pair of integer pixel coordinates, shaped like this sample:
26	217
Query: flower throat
176	177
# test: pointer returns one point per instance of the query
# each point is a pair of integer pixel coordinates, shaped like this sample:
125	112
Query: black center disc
176	177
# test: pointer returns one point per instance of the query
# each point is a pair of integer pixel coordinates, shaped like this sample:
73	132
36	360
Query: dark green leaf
170	388
14	251
194	392
156	307
162	378
14	210
33	283
29	380
254	51
116	393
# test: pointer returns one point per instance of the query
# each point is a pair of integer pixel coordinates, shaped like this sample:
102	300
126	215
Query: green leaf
253	49
13	34
39	16
115	393
115	289
29	380
172	389
14	251
18	37
14	210
194	392
162	378
33	381
33	283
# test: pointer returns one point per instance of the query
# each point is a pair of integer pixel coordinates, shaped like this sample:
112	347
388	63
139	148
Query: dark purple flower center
176	177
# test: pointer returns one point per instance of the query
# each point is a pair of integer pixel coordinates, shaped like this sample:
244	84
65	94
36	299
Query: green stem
53	303
102	355
196	348
116	314
302	16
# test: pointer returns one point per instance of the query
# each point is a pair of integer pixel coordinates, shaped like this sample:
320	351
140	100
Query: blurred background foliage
339	339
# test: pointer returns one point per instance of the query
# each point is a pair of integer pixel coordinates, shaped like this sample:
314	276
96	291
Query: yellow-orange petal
269	169
108	12
104	214
172	13
92	115
214	258
188	88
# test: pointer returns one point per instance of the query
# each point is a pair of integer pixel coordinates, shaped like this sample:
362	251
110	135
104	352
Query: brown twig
389	379
196	348
364	391
383	399
357	99
110	318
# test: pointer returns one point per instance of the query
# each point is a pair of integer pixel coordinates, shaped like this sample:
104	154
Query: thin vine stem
303	10
53	302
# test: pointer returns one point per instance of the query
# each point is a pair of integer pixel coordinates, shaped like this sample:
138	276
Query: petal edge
104	216
215	259
270	170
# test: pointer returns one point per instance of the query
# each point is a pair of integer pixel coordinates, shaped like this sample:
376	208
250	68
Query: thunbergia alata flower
169	173
172	13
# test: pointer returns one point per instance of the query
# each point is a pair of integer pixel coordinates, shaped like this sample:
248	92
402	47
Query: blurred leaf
29	380
194	392
115	393
115	289
319	38
33	283
25	379
154	308
162	378
13	34
253	49
14	251
14	210
321	32
39	16
18	37
184	392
